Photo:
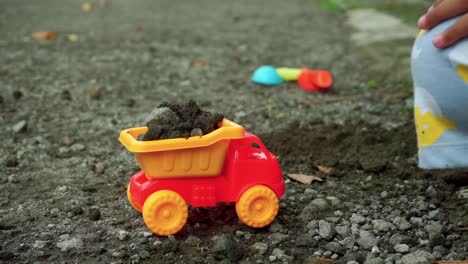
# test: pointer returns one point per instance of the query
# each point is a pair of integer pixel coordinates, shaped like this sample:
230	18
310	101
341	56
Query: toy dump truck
224	166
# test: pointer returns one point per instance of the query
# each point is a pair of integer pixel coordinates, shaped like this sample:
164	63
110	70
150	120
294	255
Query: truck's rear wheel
165	212
257	206
132	201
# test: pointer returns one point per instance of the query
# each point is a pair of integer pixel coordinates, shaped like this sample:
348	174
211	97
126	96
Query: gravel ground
63	174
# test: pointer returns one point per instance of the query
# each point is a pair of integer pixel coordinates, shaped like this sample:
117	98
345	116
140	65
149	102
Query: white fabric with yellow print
441	101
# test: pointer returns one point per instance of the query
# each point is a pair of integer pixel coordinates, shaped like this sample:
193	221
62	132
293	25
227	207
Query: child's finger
442	11
454	33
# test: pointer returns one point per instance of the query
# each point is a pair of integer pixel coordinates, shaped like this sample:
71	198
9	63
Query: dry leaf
44	35
305	179
324	169
72	37
88	6
199	63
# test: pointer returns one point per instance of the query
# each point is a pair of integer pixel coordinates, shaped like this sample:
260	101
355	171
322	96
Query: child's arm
442	10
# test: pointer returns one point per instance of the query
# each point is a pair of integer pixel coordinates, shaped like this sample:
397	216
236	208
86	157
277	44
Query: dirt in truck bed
171	120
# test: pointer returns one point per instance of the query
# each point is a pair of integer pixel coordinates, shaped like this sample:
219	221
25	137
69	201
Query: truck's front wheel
165	212
257	206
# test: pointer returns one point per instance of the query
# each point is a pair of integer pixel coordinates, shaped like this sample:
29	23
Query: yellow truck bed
180	157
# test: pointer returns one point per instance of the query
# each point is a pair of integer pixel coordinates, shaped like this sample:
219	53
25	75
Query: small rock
278	253
348	242
20	127
418	257
275	227
277	238
144	254
373	260
77	147
226	247
381	225
196	132
122	235
366	239
401	248
259	247
326	230
191	240
434	230
335	247
40	244
94	214
272	258
12	162
66	244
357	219
402	224
343	230
401	239
430	191
320	204
17	94
99	167
304	240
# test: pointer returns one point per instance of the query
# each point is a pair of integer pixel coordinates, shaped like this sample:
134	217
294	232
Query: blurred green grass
409	11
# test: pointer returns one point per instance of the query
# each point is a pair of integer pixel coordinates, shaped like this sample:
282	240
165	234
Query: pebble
326	230
94	214
335	247
19	127
278	253
226	247
40	244
275	227
366	239
67	243
402	224
401	248
277	238
144	254
259	247
343	230
374	260
122	235
381	225
77	147
357	219
320	204
418	257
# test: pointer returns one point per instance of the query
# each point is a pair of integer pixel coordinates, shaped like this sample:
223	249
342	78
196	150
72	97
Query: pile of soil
185	120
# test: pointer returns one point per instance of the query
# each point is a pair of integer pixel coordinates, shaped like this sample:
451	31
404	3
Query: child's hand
442	10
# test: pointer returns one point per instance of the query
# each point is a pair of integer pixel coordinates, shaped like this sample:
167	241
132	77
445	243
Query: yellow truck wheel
165	212
258	206
132	201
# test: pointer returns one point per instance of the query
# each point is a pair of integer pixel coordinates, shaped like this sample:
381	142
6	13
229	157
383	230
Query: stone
94	214
381	225
320	204
260	248
366	239
343	230
402	224
374	260
418	257
401	248
401	239
278	253
335	247
226	247
326	230
20	127
66	244
277	238
357	219
122	235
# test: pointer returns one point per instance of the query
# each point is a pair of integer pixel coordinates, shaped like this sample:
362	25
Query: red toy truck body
250	176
